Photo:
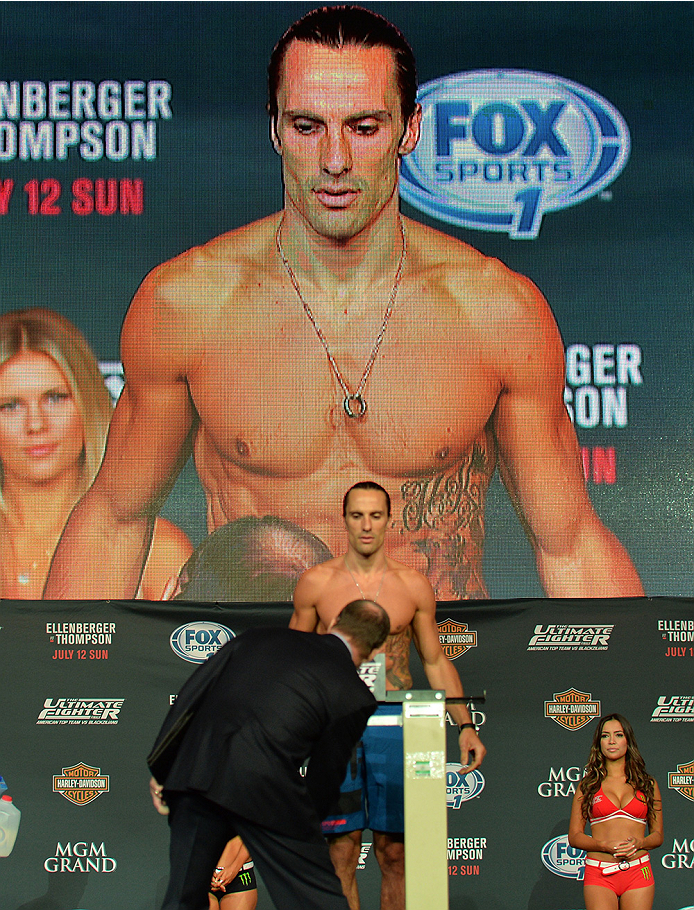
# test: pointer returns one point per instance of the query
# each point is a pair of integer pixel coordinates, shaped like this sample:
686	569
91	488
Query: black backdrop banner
85	687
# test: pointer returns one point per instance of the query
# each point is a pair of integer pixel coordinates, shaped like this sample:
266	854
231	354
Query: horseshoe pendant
347	404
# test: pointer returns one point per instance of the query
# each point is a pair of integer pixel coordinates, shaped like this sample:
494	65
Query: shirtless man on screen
373	788
336	340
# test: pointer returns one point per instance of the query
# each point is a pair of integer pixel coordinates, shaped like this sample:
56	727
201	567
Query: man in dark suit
230	752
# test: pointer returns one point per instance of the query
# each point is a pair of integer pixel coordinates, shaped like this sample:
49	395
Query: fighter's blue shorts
371	795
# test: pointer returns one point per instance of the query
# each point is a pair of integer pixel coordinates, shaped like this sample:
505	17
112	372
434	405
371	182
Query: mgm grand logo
572	709
456	638
682	780
80	784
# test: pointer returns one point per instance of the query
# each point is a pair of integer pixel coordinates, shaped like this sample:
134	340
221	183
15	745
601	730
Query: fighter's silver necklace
354	403
364	597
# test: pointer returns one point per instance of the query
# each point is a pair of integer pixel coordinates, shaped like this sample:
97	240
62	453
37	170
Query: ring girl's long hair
634	768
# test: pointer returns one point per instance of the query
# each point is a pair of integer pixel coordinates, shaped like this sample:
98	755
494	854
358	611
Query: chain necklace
354	403
363	596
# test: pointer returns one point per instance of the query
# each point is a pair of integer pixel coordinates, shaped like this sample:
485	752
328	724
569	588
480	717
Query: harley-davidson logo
456	638
80	784
682	780
572	709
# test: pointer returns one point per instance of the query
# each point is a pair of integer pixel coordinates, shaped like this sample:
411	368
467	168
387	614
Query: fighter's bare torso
273	437
332	587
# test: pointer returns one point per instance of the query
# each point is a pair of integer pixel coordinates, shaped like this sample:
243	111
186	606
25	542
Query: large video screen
510	359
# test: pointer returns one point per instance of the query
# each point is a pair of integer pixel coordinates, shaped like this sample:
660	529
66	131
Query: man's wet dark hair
338	26
366	623
365	485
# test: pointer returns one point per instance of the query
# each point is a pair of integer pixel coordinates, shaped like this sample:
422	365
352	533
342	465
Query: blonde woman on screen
54	417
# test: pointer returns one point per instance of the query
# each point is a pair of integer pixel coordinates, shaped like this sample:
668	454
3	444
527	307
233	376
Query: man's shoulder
407	574
499	309
317	577
437	249
183	300
263	635
323	656
215	267
273	636
246	246
476	281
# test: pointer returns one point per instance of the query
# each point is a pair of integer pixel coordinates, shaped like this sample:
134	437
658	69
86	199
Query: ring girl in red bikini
621	803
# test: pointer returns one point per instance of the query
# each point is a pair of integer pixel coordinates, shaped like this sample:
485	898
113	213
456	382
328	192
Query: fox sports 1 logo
196	641
499	148
564	860
461	787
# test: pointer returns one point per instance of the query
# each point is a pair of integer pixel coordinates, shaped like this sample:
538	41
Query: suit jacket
250	716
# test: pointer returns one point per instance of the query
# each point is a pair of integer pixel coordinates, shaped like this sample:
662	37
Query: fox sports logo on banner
499	148
462	787
562	859
196	641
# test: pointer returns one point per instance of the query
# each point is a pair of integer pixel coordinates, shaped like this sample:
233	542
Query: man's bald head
365	623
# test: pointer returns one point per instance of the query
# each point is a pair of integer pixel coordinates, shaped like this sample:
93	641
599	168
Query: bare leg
344	853
241	900
637	899
597	898
390	853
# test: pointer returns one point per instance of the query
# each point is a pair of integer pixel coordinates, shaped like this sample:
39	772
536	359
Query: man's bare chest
268	386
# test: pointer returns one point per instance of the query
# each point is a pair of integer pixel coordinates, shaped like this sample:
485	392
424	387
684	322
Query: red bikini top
603	809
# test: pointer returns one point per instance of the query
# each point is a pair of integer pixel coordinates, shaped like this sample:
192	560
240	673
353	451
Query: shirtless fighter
337	339
408	599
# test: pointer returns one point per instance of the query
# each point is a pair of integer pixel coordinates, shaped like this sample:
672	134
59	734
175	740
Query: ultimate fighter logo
572	709
682	780
80	784
455	638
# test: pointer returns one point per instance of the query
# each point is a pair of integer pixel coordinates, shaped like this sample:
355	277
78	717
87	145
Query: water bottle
9	824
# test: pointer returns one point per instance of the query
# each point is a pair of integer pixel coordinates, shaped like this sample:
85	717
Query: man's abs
437	522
